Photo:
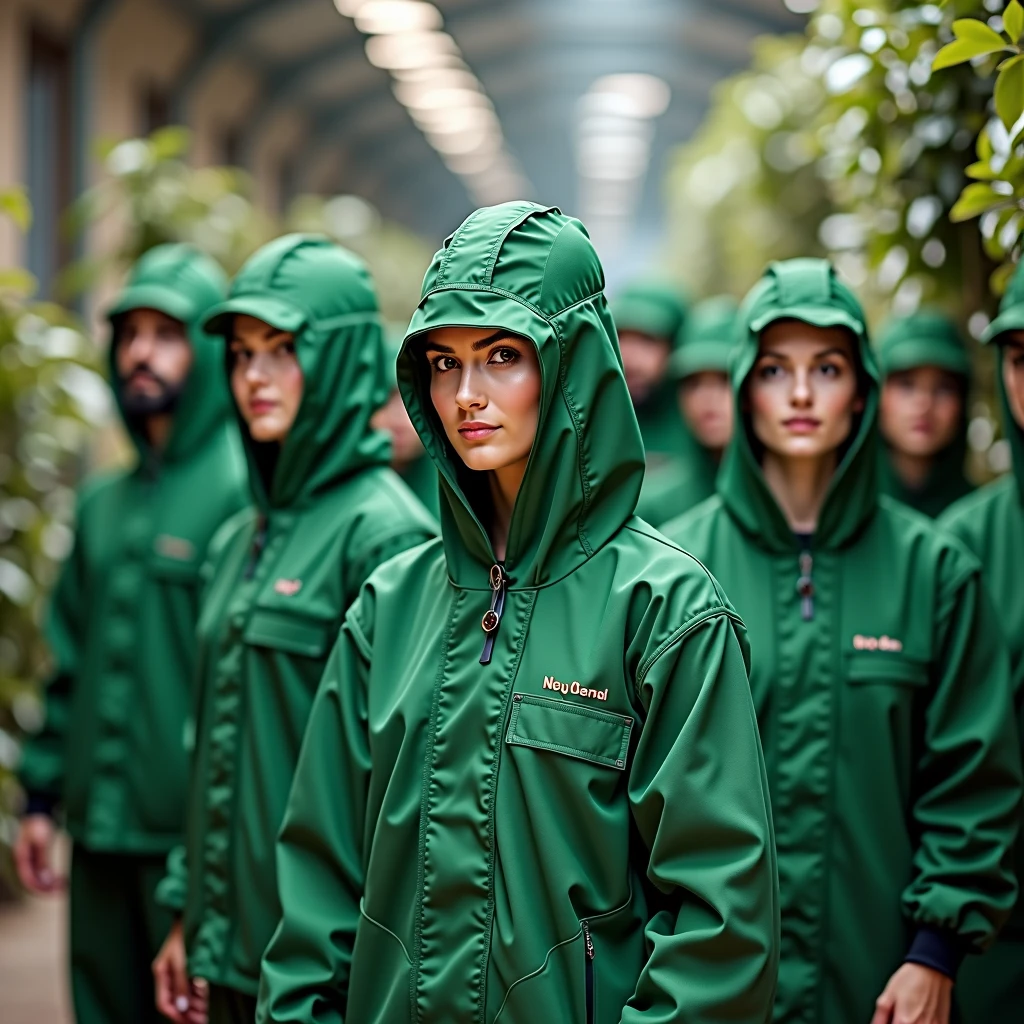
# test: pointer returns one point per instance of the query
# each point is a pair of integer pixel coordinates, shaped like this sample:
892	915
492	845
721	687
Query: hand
915	995
178	997
33	854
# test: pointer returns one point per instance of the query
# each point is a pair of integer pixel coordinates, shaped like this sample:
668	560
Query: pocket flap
570	729
287	632
885	667
173	570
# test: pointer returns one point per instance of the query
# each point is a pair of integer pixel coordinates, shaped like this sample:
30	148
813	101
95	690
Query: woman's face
1012	345
920	410
802	391
705	399
485	385
266	378
393	418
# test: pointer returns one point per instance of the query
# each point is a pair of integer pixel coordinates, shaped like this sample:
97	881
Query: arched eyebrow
436	346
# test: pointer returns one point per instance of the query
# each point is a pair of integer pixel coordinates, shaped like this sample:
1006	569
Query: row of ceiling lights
613	146
442	95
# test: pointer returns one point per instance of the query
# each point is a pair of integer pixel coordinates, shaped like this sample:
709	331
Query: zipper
588	966
259	542
805	586
492	617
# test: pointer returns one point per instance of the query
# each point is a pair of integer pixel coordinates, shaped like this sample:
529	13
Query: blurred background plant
51	400
846	142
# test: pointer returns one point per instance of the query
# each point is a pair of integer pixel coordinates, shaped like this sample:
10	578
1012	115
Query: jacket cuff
40	803
938	949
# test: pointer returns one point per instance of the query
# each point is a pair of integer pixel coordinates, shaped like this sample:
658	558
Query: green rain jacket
675	488
881	685
565	819
328	512
121	625
991	523
419	475
928	338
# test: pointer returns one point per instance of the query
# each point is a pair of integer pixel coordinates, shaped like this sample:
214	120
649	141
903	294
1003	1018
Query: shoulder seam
678	634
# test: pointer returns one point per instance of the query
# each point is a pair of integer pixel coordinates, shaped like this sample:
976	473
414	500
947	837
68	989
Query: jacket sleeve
173	887
699	795
967	793
42	766
320	860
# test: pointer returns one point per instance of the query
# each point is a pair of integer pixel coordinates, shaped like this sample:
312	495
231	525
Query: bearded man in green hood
922	412
880	675
531	786
121	627
991	523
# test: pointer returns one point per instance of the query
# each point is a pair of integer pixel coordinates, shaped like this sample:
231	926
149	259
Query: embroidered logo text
876	643
574	688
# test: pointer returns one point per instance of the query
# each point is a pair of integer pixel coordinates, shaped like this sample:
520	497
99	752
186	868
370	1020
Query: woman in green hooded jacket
879	675
922	413
531	787
306	364
700	369
991	523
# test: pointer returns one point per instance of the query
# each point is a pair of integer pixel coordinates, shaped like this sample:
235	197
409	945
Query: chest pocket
173	560
870	668
570	729
285	631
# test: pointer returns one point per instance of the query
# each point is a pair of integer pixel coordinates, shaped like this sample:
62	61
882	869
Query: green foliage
151	195
51	398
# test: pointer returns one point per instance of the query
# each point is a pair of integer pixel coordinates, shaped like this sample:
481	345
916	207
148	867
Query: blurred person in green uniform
991	523
121	628
879	673
922	413
307	369
700	368
648	318
531	786
408	458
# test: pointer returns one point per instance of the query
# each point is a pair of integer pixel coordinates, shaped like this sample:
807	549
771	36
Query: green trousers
229	1006
116	931
990	988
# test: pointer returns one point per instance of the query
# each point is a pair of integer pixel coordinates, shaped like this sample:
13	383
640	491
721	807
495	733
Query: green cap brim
637	313
1011	319
914	352
268	308
153	296
698	357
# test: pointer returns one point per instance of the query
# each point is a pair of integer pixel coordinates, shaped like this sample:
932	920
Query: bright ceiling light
381	17
474	141
649	95
422	97
459	119
410	49
350	8
468	164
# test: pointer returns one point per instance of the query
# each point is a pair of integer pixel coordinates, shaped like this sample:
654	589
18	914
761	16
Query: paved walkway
33	985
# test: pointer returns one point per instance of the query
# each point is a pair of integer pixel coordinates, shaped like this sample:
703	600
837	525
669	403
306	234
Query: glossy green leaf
1009	91
974	201
977	31
981	171
14	202
1013	20
1001	277
14	279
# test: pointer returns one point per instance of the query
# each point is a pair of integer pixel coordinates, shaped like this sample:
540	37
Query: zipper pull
588	942
259	541
805	586
492	617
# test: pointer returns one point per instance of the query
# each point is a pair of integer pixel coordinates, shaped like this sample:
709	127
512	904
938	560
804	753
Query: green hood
1010	318
533	271
808	290
706	339
323	293
182	283
650	307
927	338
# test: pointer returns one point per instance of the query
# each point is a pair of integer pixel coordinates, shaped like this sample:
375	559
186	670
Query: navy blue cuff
40	803
940	950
